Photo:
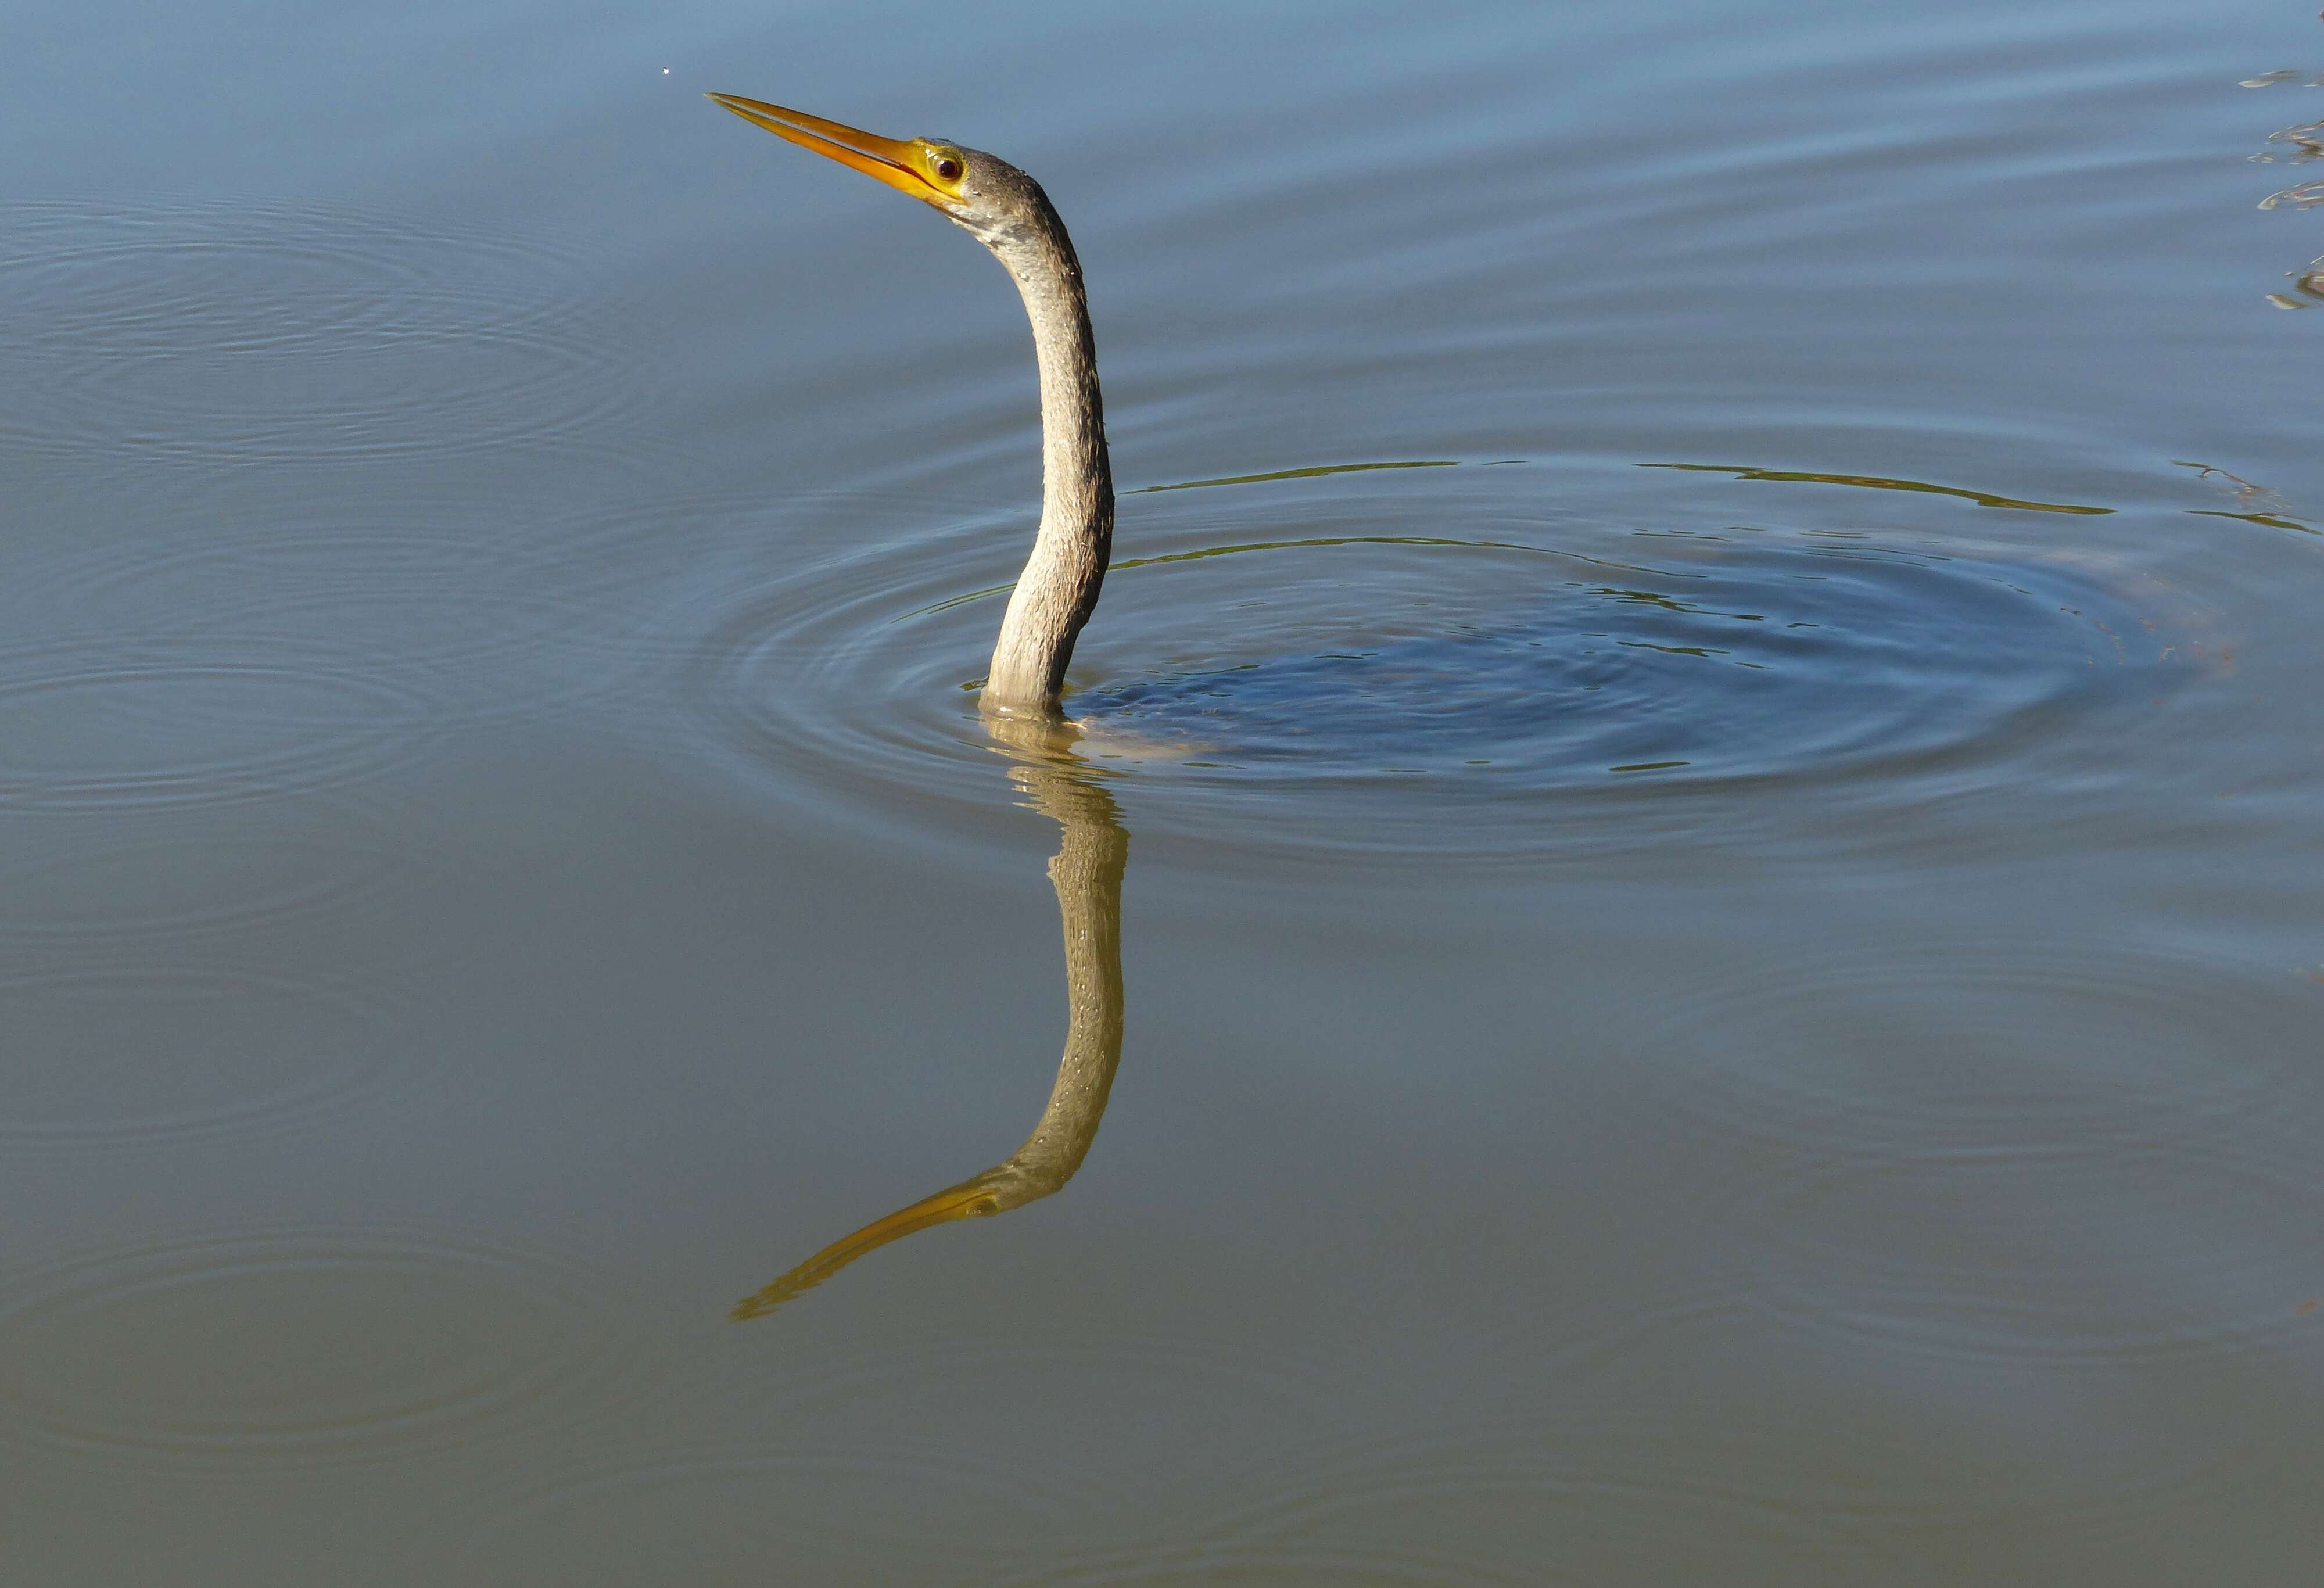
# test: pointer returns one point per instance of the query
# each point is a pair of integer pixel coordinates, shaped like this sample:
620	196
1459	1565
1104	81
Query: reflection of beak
886	158
973	1200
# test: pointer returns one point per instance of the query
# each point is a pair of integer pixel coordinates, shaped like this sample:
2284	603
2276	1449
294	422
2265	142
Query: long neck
1059	585
1087	874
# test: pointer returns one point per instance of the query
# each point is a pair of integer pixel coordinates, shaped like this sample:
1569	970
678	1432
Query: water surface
1687	882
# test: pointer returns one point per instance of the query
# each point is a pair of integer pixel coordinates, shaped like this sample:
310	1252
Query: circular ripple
813	1487
1779	656
200	883
1674	1477
1543	1474
1288	688
2124	1264
1204	1560
448	598
2003	1046
172	729
298	1347
824	1514
259	332
135	1054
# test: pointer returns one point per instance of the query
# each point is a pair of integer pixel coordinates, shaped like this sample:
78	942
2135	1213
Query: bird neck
1087	872
1059	585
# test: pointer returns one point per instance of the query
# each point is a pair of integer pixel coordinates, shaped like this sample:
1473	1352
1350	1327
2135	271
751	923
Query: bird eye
948	166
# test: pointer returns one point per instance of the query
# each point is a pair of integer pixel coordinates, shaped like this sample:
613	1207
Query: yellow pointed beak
969	1200
895	162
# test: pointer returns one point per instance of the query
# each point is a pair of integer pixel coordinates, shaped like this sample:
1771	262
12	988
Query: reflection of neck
1087	872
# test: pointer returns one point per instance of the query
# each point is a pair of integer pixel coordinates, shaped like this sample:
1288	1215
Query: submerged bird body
1008	212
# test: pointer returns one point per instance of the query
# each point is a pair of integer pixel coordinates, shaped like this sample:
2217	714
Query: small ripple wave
1322	677
135	725
2009	1152
999	1481
2170	1261
261	331
2006	1044
130	1052
481	608
115	891
299	1347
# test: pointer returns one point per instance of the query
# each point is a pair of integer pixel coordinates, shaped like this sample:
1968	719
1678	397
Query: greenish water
1689	898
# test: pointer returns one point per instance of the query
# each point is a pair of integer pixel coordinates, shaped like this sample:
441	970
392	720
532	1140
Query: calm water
1693	912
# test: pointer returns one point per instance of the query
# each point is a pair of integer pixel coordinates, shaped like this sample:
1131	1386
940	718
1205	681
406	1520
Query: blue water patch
1776	657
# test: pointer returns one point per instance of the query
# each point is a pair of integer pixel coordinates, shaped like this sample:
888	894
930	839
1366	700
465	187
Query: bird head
981	191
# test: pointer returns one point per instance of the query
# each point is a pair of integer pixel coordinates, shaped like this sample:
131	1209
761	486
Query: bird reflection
1086	870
